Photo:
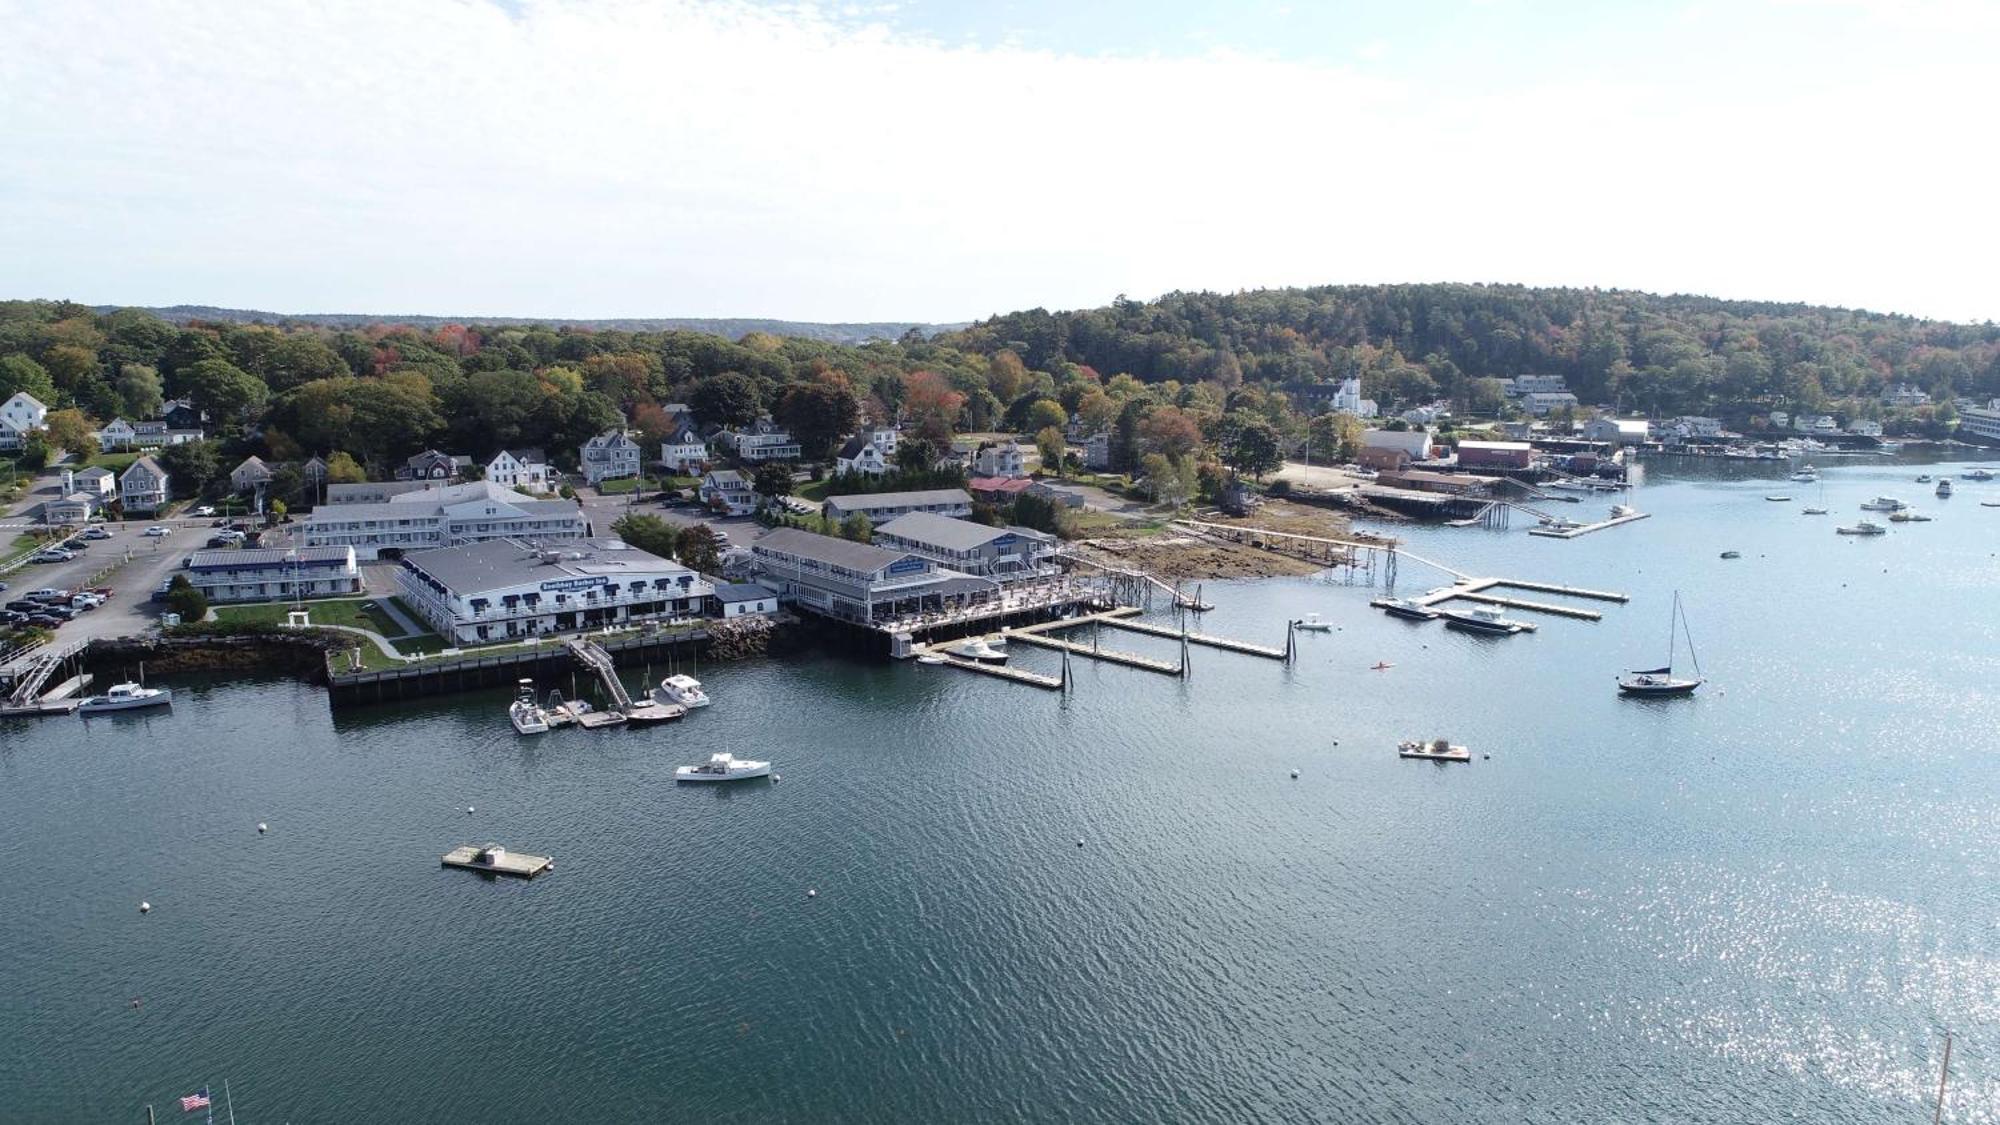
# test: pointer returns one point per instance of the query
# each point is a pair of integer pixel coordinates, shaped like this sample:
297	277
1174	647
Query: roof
267	556
901	499
252	462
685	434
524	456
1497	446
509	562
146	462
845	553
95	472
999	484
944	532
853	447
741	592
727	477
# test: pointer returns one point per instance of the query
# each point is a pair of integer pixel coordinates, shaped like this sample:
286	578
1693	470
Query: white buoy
777	777
145	907
812	892
1295	775
1079	841
468	810
262	828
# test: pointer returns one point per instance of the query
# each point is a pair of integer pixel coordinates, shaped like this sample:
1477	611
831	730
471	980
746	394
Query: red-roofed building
998	490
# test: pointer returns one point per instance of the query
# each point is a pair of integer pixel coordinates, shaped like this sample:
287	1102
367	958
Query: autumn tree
1170	432
69	430
931	406
342	468
1046	412
1051	444
699	549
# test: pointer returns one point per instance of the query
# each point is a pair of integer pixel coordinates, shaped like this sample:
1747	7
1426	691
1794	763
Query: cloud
558	157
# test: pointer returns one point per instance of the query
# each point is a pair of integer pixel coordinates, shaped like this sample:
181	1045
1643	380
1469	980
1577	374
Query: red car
103	591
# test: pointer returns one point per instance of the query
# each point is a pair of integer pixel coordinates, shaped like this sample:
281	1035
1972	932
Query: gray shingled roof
506	562
901	499
741	592
844	553
266	556
942	532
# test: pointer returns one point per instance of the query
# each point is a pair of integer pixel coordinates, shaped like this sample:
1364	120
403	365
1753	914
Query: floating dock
1001	671
1586	529
1477	590
1112	655
653	711
493	859
1212	641
1430	752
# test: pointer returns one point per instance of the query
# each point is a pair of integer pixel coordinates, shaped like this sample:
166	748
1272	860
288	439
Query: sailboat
1819	509
1660	682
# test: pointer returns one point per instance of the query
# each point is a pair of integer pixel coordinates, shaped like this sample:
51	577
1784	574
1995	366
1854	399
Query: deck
1586	529
472	858
1423	752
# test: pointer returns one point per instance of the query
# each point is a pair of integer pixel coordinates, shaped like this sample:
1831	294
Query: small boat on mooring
1312	624
1924	478
1863	528
1780	499
1661	682
1408	609
1483	619
527	715
126	697
1943	490
682	689
1976	474
1806	473
1814	512
1908	515
1732	554
1884	504
723	767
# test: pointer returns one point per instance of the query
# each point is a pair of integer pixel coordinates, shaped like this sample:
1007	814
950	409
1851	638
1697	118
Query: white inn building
426	519
510	588
274	575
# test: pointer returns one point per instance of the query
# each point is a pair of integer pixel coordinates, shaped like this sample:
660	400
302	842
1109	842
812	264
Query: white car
156	531
204	510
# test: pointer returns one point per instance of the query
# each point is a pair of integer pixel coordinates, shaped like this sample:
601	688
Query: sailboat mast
1944	1074
1673	627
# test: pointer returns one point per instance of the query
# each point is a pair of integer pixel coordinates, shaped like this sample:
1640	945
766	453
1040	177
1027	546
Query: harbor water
1767	903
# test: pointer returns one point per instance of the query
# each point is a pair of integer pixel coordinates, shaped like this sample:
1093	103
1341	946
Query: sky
934	161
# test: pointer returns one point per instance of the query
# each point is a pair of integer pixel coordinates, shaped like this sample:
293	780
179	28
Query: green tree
139	390
223	389
700	550
818	414
71	367
342	468
69	430
1253	448
648	533
916	455
857	527
190	466
189	602
771	480
34	450
1046	412
19	372
1051	444
728	399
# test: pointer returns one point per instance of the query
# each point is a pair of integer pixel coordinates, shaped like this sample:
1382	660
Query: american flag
195	1101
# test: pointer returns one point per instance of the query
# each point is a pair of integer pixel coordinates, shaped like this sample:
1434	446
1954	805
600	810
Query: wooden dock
1225	643
492	859
1429	752
1537	607
1112	655
1001	671
650	711
597	720
62	699
1477	590
1586	529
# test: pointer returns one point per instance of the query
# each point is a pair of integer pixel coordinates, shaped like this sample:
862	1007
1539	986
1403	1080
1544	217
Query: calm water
1764	904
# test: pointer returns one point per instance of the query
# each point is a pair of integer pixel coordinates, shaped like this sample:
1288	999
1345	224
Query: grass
357	613
627	484
116	462
814	491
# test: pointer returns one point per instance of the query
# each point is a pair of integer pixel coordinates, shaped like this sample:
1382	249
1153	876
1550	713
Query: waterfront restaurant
1006	553
501	589
861	583
270	575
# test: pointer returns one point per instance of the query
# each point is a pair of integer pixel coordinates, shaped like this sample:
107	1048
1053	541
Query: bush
187	601
1279	489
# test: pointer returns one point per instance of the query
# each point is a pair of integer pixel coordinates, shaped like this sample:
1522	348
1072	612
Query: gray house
142	487
611	455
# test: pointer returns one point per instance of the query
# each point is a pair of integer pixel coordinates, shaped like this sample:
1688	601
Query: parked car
84	599
23	605
104	592
156	531
52	556
204	510
62	611
3	587
46	593
98	533
230	535
45	621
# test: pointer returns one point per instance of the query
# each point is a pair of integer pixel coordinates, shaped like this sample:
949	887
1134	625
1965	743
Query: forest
1191	378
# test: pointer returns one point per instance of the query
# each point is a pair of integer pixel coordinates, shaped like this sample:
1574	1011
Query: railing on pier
593	657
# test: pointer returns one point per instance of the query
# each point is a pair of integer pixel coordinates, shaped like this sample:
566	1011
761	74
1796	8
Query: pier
492	859
1478	590
1036	635
31	670
1109	655
476	668
1586	529
1226	644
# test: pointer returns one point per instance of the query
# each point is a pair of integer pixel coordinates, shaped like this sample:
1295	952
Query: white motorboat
1923	478
1908	515
1807	474
1884	504
1943	489
1815	511
1560	523
977	649
1481	619
723	767
1407	608
684	690
1977	474
1863	528
1433	750
527	715
1312	624
127	697
1779	499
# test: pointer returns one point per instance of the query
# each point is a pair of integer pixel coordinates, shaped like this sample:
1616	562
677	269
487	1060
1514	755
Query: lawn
116	462
626	484
357	613
814	491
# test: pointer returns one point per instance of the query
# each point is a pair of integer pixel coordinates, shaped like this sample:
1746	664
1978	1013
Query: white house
1535	384
683	451
1865	428
743	599
506	588
523	469
1539	403
611	455
1618	431
252	473
1903	394
97	482
1348	400
424	518
728	491
861	455
1695	426
764	441
19	416
142	487
274	574
71	509
1003	459
1097	451
117	434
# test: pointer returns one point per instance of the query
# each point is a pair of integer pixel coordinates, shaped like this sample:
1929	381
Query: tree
1046	412
771	480
223	389
139	390
1038	512
858	528
819	413
1170	432
700	551
190	466
916	455
34	450
1253	448
342	468
71	367
278	509
728	399
648	533
185	600
69	430
20	372
1051	444
931	405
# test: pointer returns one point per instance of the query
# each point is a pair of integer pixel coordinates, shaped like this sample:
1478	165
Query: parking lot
143	562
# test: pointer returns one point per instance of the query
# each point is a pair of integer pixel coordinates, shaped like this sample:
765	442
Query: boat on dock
683	690
1433	750
1484	619
723	767
526	714
980	651
1408	609
1883	504
1943	490
1620	511
1311	623
126	697
1864	527
1661	682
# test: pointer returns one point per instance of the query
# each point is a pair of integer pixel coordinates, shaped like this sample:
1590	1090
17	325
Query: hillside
732	327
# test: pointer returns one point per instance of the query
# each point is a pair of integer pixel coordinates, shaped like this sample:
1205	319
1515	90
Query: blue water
1763	904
